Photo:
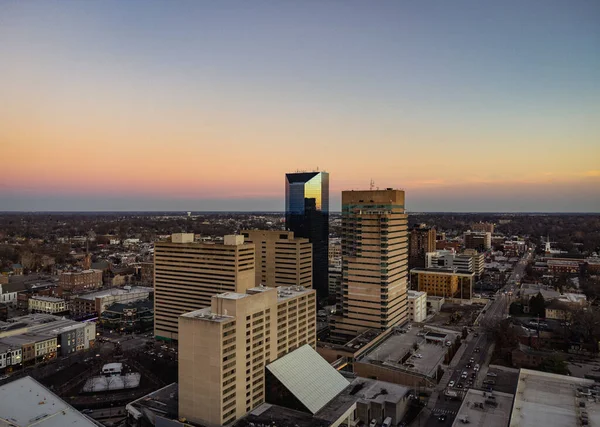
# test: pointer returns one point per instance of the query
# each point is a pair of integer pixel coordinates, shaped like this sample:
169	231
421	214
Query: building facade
307	215
417	306
281	258
43	304
188	274
445	283
233	340
478	241
374	261
135	316
422	239
94	303
81	281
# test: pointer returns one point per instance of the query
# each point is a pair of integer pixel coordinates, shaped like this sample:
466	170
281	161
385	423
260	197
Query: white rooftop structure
549	400
309	377
25	402
111	368
115	291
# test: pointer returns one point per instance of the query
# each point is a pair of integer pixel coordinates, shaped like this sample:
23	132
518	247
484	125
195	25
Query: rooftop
309	377
274	415
416	294
397	351
483	408
208	315
115	292
162	402
47	299
26	402
231	295
544	399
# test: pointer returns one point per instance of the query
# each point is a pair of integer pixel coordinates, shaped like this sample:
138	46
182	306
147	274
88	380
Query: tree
555	365
537	305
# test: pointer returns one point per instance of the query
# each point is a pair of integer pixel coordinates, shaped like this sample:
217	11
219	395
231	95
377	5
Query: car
373	423
442	418
468	366
477	350
451	384
419	356
464	374
476	368
492	374
86	411
459	385
471	360
489	382
473	374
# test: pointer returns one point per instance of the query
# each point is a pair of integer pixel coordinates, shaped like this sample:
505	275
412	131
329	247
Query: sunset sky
205	105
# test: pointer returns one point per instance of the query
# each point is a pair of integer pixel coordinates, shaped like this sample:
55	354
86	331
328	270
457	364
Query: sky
200	105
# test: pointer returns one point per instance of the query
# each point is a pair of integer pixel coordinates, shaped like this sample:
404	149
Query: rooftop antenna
371	185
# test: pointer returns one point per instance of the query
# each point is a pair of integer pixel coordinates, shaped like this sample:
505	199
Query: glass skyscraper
307	215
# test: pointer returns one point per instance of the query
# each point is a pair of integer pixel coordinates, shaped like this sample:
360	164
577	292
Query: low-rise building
443	282
50	305
25	402
131	316
484	408
9	355
417	306
94	303
80	281
545	399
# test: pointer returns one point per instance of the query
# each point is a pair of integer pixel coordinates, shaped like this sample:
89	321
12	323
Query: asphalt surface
495	311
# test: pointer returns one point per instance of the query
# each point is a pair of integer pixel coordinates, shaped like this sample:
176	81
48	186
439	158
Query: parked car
476	368
464	374
373	423
492	374
489	382
451	384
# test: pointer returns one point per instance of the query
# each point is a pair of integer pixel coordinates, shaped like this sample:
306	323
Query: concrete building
9	356
552	400
233	340
484	408
147	273
94	303
375	249
335	250
477	261
187	275
422	240
50	305
468	261
281	258
478	241
417	306
25	402
81	281
445	283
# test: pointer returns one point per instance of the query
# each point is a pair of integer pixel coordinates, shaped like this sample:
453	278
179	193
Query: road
476	352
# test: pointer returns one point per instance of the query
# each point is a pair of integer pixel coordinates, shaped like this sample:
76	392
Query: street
454	385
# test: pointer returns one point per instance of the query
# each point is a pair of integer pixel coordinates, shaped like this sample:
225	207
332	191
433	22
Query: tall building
307	215
480	241
281	258
232	341
483	227
374	261
417	306
188	274
422	239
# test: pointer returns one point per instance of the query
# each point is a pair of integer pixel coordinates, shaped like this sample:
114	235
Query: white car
476	368
419	356
451	384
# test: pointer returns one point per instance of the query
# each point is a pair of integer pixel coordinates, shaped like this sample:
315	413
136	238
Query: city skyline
204	107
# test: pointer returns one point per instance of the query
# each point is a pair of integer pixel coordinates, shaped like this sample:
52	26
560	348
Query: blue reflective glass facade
307	215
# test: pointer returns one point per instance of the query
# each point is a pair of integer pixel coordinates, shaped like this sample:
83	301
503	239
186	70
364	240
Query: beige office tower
224	349
374	267
281	258
188	274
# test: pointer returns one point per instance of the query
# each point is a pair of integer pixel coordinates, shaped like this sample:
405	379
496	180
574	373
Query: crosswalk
439	411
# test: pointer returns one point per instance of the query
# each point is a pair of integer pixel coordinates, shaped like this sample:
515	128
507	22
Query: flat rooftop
231	295
483	408
549	400
115	292
25	402
392	350
207	315
47	299
163	402
267	415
